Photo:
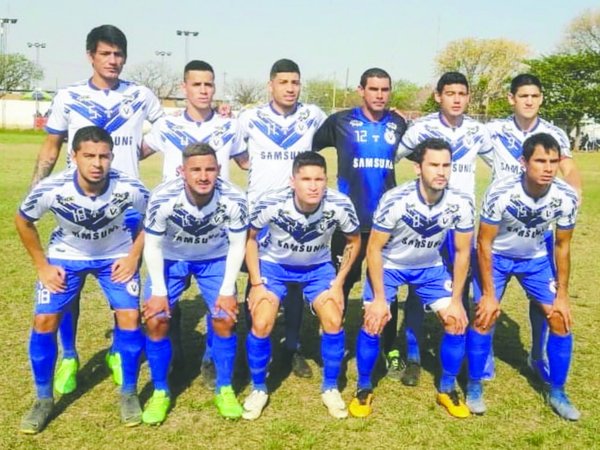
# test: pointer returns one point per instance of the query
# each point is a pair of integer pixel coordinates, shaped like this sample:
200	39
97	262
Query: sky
241	39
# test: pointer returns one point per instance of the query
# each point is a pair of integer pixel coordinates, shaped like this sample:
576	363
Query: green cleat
228	404
156	409
37	417
65	378
394	365
113	361
131	411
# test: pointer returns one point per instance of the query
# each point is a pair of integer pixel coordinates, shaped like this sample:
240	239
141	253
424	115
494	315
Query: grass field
295	418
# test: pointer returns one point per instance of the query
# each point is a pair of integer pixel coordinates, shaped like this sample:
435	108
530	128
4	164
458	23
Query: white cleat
254	404
335	404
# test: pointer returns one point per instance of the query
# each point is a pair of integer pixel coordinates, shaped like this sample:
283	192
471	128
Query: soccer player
366	139
196	225
300	221
89	204
516	213
409	227
508	136
467	138
275	134
118	106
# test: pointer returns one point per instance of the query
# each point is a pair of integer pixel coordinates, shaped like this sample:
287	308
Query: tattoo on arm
346	257
43	168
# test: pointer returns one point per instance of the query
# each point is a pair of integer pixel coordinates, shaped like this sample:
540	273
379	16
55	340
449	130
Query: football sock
42	354
367	350
559	350
332	353
452	353
478	348
129	344
224	357
159	357
259	355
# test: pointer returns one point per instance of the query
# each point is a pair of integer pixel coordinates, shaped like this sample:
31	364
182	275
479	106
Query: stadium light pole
5	24
162	54
37	46
186	34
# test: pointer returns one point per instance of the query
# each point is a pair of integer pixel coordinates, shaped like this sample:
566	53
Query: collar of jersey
307	215
92	197
361	115
199	208
96	88
187	117
537	123
535	199
284	115
443	122
422	200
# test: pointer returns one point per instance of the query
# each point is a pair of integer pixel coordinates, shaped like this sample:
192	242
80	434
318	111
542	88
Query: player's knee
157	328
223	326
127	319
332	323
45	323
261	326
557	325
482	330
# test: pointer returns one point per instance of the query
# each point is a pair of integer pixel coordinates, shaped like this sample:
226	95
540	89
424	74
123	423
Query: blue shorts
535	275
431	284
119	295
313	279
209	276
133	222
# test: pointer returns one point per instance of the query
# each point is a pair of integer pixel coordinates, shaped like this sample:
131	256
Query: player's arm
562	257
123	269
571	175
146	150
349	255
325	135
462	260
227	301
488	308
52	277
158	302
242	160
377	312
47	157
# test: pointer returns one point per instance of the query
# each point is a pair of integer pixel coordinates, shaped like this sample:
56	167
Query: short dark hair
198	149
109	34
418	153
451	78
524	79
91	133
197	65
547	142
308	159
284	65
374	72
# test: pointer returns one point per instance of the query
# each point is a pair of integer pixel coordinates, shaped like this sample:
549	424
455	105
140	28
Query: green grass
403	418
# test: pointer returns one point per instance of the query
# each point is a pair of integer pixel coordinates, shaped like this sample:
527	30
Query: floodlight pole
186	34
162	54
37	46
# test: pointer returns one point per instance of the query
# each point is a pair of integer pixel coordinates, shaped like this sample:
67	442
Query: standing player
516	213
508	136
89	204
409	227
276	133
366	139
468	138
196	225
118	106
299	222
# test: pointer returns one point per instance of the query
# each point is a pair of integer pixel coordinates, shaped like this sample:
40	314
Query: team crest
133	287
552	286
448	285
220	215
300	127
390	136
126	111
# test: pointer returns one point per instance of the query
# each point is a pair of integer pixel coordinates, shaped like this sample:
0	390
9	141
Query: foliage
246	92
408	96
156	77
583	33
17	72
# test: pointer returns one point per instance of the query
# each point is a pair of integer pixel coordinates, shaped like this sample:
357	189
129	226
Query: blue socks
367	350
259	355
452	352
159	355
224	357
413	322
42	354
68	331
332	353
559	349
478	348
129	344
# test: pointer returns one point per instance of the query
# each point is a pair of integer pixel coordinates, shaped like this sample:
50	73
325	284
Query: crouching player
409	227
299	222
196	225
515	214
89	204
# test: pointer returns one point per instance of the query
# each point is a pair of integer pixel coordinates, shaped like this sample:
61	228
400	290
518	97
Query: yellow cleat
360	406
454	405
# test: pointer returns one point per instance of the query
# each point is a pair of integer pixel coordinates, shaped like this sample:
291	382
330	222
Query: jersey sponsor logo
514	169
463	168
304	233
356	123
373	163
88	235
279	155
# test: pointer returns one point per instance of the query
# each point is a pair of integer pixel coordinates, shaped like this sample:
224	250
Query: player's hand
155	305
487	312
561	306
229	305
123	269
53	278
377	314
455	316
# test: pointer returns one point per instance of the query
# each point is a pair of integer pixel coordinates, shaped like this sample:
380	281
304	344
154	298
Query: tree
571	89
408	96
487	63
17	72
583	33
246	92
156	77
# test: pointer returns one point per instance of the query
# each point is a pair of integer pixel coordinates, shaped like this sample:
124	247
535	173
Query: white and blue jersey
172	134
366	152
121	111
273	141
192	233
467	141
89	228
417	230
523	220
294	238
507	139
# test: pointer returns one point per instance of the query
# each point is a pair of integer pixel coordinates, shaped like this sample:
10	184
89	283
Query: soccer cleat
131	411
335	404
300	367
254	404
360	406
228	404
113	361
411	374
37	417
65	378
453	404
540	369
156	409
562	405
394	365
475	401
208	374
